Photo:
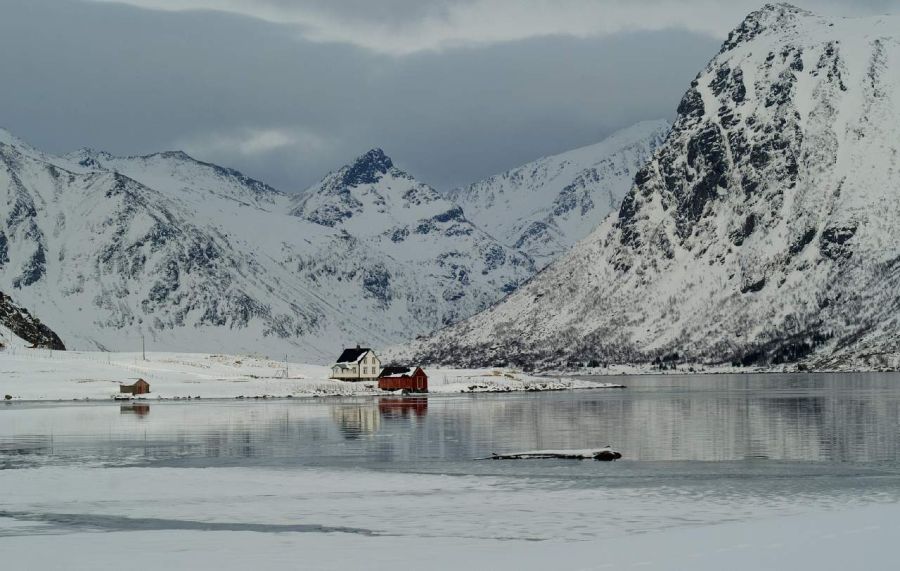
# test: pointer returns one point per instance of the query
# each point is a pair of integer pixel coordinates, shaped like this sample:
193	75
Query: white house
359	364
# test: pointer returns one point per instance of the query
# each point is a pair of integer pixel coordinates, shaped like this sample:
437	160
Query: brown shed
141	387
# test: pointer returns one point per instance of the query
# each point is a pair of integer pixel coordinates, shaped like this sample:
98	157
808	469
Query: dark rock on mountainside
26	326
368	169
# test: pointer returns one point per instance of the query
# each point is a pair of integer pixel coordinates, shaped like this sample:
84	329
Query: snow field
327	519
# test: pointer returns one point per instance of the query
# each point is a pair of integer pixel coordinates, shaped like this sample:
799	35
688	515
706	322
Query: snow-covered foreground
238	518
39	374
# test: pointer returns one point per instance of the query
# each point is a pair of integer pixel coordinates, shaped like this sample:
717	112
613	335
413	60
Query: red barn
412	380
141	387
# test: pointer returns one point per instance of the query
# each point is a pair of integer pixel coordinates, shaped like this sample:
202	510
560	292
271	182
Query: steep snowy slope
197	257
545	206
763	230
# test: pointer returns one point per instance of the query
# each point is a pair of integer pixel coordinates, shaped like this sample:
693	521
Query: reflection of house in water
402	407
355	420
136	409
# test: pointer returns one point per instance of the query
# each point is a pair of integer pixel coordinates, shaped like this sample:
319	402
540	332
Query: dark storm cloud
286	106
406	26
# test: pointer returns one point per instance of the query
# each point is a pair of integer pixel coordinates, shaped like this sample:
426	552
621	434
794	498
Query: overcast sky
287	90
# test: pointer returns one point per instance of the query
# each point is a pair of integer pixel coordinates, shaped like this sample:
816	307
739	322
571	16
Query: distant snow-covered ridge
544	207
182	254
190	255
762	231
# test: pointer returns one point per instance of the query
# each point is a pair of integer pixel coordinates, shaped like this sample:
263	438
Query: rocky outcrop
27	327
544	207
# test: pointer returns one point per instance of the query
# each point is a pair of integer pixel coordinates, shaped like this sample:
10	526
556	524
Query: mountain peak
177	155
368	168
777	12
87	157
772	16
780	7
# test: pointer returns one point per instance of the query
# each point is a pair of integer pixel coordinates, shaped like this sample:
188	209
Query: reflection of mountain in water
711	418
831	419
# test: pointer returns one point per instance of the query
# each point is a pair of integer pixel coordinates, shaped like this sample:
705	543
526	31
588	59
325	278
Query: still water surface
697	450
744	420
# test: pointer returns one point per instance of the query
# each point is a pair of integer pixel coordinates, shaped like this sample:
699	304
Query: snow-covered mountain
544	207
763	230
441	267
197	257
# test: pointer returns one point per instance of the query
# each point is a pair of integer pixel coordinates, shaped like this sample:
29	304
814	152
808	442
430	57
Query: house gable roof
394	372
353	355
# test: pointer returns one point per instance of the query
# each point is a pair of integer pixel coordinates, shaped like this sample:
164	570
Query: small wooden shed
141	387
409	379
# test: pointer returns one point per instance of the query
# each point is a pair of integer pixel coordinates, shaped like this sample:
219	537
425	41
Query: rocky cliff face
761	231
544	207
27	327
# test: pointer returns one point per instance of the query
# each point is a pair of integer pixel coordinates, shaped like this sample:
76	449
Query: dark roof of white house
353	355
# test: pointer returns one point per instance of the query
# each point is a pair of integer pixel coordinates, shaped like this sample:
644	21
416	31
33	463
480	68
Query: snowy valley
757	230
184	254
194	256
675	348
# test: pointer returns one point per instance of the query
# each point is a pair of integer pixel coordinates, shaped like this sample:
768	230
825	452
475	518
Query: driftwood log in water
606	454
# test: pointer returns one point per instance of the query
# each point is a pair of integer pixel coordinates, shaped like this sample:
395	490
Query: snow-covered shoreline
44	375
876	362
